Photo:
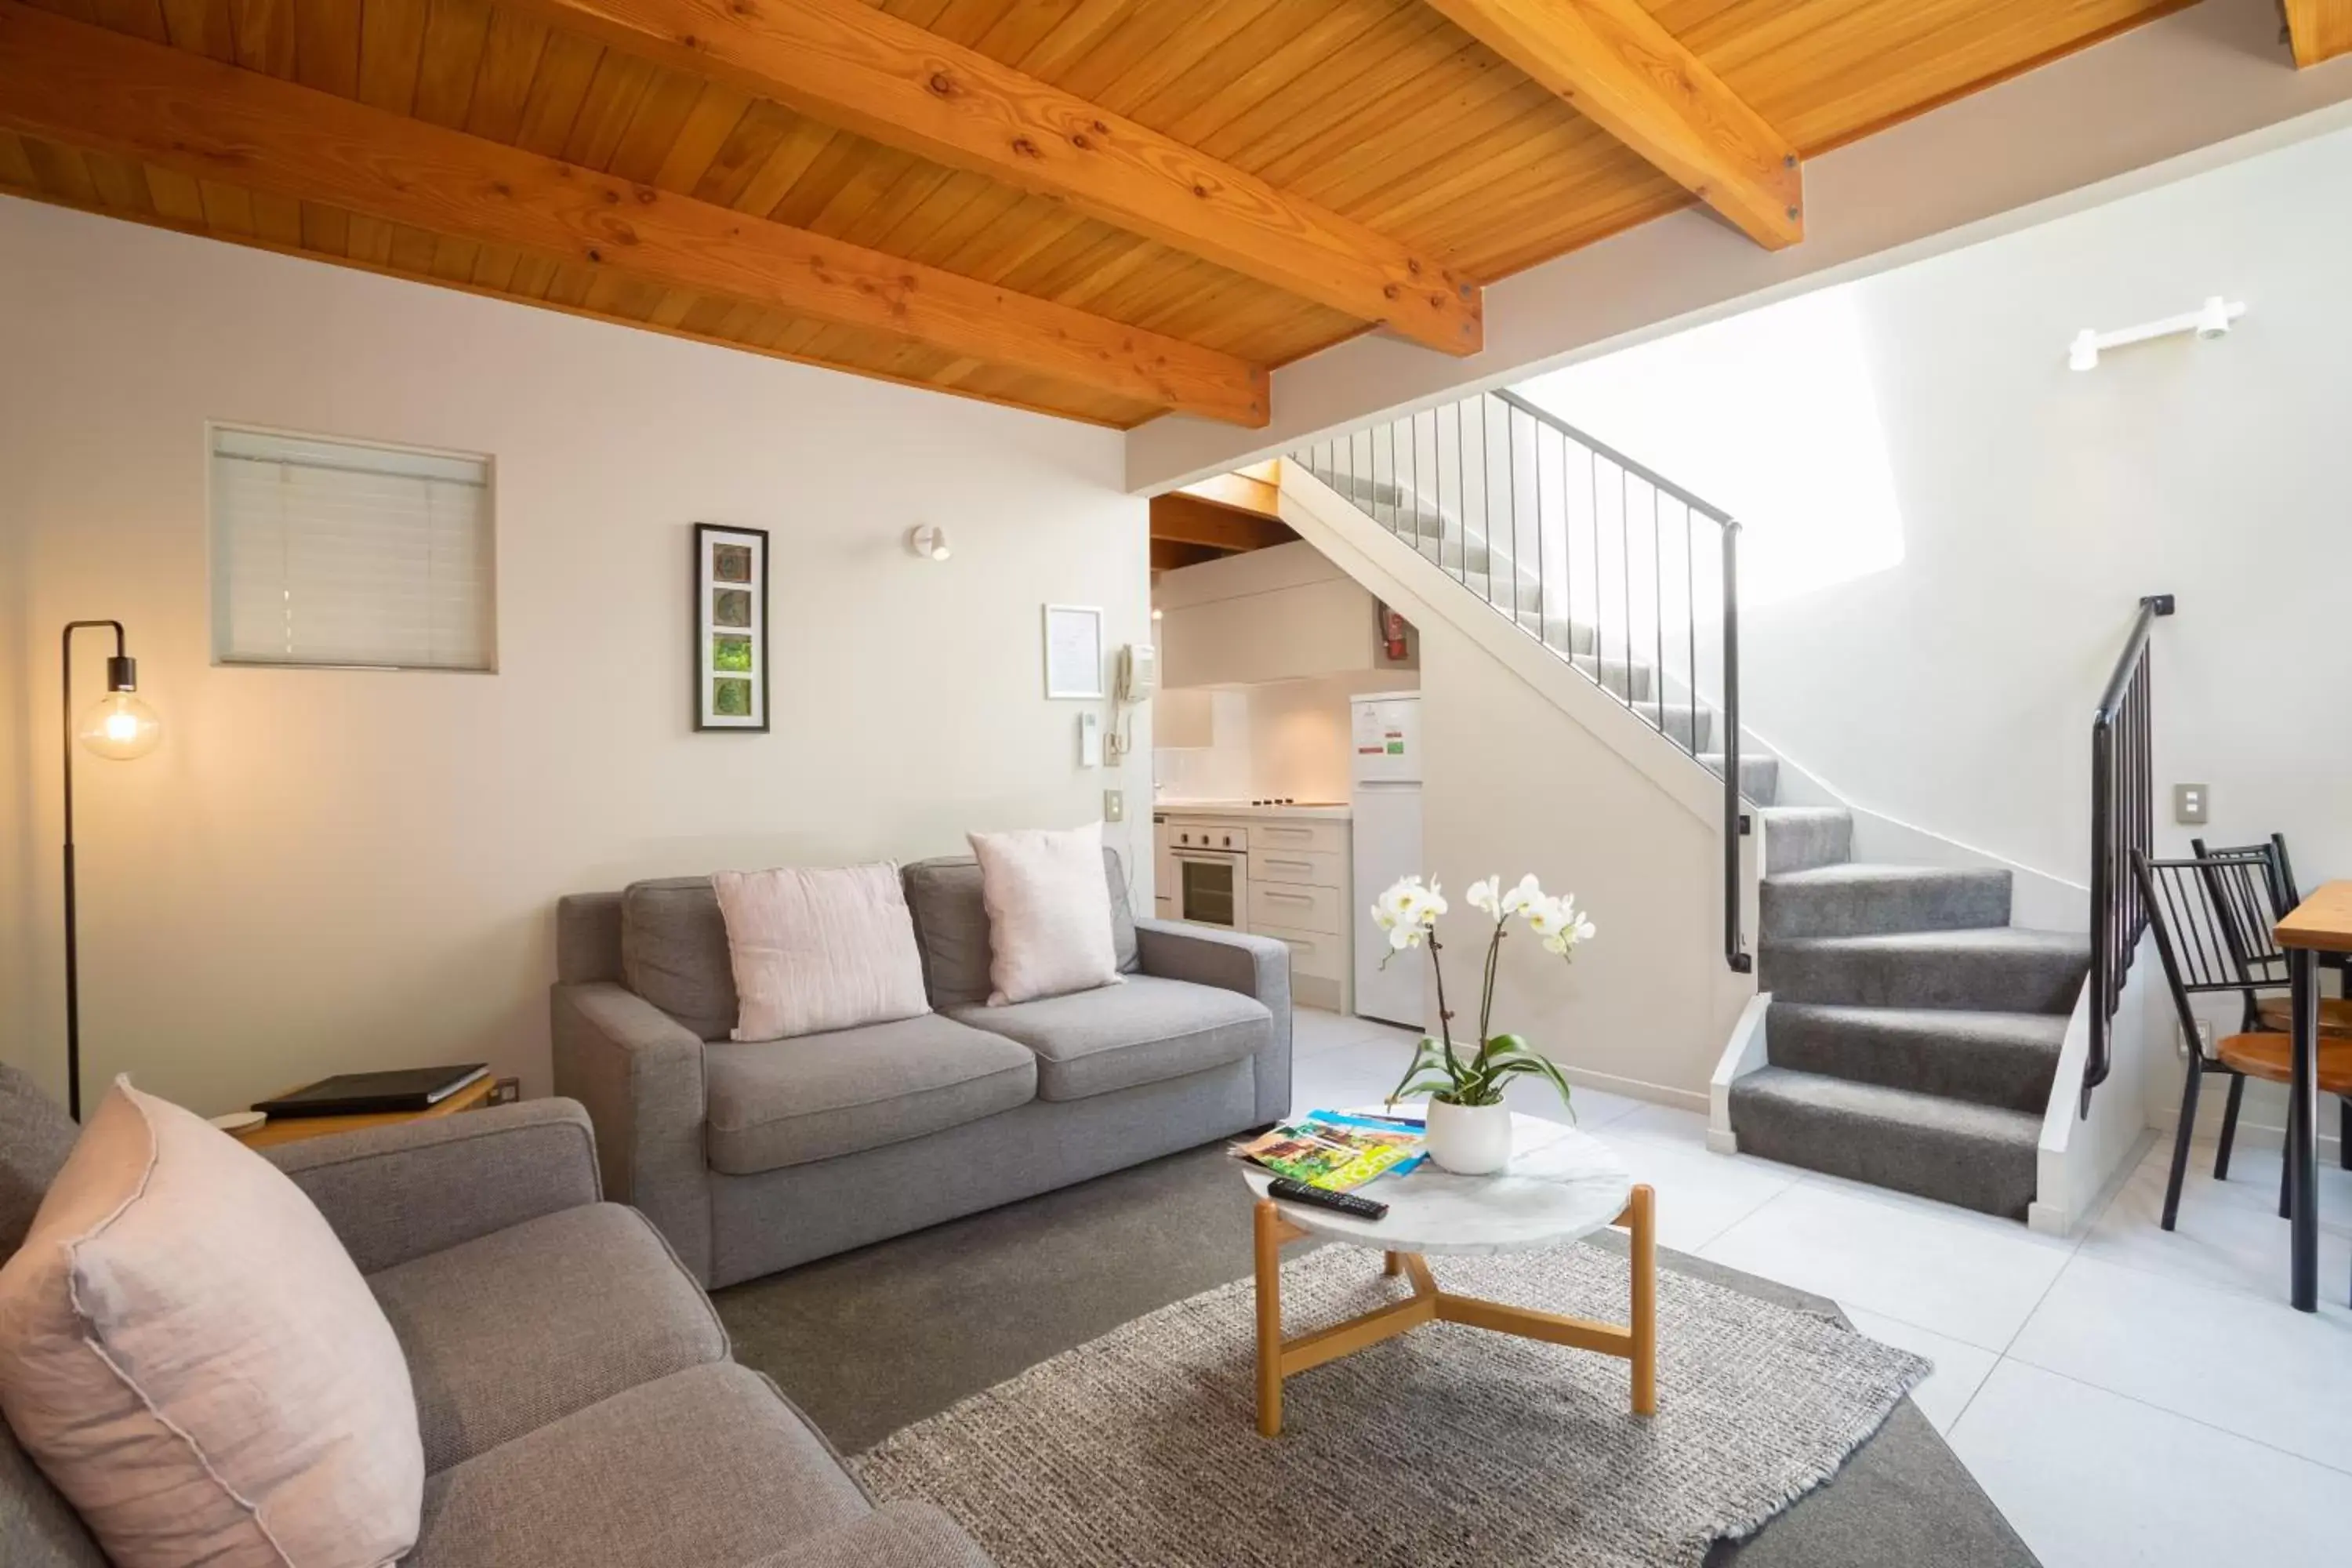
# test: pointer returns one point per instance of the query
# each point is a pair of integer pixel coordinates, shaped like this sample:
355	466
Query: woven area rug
1448	1445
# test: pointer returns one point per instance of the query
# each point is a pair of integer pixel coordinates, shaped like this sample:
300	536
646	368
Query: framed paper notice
1074	651
730	627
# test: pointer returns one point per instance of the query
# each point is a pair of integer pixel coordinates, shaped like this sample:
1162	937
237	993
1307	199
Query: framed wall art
1074	651
730	627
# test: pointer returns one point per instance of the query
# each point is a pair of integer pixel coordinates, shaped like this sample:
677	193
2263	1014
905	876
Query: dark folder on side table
374	1093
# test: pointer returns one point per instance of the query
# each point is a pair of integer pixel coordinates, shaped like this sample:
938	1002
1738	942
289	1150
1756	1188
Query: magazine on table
1337	1150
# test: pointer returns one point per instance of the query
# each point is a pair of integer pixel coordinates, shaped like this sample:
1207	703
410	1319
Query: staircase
1914	1033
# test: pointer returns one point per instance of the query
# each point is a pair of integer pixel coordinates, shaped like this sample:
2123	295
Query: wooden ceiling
1226	514
1103	209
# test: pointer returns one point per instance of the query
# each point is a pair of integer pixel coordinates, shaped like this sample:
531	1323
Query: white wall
326	870
1952	688
1284	740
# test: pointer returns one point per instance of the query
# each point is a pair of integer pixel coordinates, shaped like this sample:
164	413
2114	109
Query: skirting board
1743	1053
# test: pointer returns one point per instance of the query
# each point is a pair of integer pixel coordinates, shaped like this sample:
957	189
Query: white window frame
216	609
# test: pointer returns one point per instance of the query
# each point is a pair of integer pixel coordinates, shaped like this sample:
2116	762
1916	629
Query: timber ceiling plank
96	88
1188	519
2320	29
1618	66
840	61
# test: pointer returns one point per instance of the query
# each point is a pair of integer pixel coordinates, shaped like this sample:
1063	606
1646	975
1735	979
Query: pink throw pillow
818	950
1049	931
191	1356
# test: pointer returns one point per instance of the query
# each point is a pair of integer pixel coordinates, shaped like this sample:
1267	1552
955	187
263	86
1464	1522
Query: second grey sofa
751	1156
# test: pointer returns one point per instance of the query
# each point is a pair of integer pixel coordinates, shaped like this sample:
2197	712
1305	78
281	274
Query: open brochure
1337	1152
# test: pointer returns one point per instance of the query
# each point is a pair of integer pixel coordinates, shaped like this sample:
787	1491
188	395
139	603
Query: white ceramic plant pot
1470	1140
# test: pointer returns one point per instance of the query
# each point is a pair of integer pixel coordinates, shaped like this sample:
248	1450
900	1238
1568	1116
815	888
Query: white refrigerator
1385	802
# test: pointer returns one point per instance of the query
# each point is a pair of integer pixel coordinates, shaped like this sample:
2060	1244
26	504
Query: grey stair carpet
1858	900
1760	777
1914	1033
1978	1156
1800	837
1998	969
2001	1059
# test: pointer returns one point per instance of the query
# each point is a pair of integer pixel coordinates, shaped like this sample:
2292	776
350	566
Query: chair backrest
37	1528
2212	915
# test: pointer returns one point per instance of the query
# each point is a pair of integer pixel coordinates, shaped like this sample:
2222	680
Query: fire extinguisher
1391	634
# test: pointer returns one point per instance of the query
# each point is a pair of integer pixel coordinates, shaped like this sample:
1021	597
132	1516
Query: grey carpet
1445	1448
873	1341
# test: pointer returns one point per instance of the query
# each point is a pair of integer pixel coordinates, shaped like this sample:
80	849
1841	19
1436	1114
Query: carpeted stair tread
1800	837
1976	1156
1998	969
2002	1059
1760	777
1858	899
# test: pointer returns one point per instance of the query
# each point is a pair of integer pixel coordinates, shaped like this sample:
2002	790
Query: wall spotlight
928	541
2210	320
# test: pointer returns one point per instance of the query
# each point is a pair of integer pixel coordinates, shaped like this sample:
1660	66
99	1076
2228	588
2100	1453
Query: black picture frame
716	617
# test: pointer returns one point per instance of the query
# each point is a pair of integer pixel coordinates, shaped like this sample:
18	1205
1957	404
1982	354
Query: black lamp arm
121	675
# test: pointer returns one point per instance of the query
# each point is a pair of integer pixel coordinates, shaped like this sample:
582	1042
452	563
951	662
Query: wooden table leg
1269	1320
1642	1256
2301	1132
1391	1264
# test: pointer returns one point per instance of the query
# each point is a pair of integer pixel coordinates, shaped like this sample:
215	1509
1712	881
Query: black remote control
1292	1192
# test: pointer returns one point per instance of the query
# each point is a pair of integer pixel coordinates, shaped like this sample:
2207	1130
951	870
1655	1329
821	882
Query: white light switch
2189	805
1113	806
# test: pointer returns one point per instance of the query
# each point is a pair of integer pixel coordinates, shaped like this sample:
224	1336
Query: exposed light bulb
120	726
1158	613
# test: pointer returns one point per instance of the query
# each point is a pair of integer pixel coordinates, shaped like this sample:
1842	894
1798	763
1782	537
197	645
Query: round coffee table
1560	1184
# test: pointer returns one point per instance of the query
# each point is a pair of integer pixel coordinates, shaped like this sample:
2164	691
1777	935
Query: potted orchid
1469	1125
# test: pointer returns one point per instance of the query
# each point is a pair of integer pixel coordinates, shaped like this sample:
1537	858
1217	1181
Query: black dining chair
2213	916
2250	921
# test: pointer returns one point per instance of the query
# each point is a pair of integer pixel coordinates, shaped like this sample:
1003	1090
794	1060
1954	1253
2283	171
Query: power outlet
2189	801
1113	806
2204	1039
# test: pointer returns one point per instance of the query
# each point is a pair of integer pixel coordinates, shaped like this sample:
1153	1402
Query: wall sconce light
928	541
2210	320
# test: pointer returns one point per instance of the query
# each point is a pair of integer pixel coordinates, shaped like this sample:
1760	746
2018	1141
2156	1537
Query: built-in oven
1212	886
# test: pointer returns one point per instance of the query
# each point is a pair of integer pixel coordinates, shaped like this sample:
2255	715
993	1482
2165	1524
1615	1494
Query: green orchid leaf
1543	1069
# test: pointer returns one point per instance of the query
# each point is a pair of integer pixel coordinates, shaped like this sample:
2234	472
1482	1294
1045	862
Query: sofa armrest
894	1535
1256	966
640	1072
400	1191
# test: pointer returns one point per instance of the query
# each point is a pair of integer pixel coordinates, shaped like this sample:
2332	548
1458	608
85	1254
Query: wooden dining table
2321	923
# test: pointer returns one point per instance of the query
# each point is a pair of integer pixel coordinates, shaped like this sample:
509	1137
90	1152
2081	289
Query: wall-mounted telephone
1138	671
1139	676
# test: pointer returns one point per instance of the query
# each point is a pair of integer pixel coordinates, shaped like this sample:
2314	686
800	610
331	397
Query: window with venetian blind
337	553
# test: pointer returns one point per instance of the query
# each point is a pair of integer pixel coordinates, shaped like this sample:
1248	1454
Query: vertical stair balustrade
2123	822
1625	575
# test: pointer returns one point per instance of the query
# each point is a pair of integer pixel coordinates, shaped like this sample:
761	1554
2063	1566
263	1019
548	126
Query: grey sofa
578	1405
753	1156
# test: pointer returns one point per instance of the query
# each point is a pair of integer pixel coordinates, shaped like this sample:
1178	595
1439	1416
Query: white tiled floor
2124	1395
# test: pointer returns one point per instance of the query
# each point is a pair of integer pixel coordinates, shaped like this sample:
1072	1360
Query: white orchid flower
1559	922
1406	911
1528	892
1485	896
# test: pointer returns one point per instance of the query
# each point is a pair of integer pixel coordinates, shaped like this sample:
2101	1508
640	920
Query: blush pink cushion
1049	929
829	948
191	1357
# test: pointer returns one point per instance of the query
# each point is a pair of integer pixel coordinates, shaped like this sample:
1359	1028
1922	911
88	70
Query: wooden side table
295	1129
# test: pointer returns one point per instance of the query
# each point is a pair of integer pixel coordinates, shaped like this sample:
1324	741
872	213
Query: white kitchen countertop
1243	809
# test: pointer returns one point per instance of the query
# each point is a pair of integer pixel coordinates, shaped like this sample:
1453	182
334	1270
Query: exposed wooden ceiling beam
2321	29
1188	520
94	89
1174	554
1260	497
1617	66
850	65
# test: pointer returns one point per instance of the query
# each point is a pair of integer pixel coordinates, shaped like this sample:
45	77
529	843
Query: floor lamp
120	727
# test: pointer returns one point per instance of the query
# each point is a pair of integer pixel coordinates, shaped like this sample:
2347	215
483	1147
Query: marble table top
1560	1184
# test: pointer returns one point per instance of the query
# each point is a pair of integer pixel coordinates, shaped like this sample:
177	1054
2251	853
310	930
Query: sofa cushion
1048	913
812	950
951	925
39	1529
526	1325
787	1103
674	953
36	1136
194	1362
709	1468
1093	1042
